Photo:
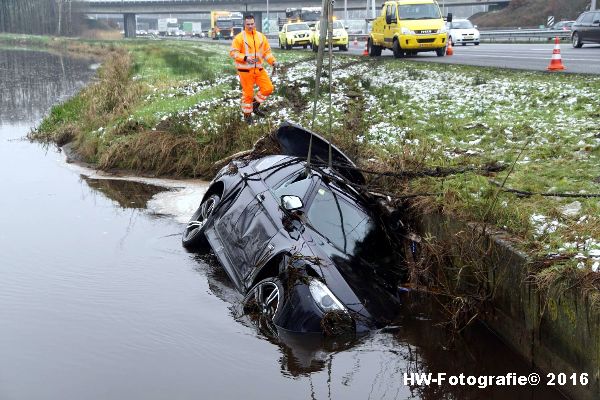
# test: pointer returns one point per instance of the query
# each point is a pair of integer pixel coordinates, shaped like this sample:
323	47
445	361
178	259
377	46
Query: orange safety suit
248	46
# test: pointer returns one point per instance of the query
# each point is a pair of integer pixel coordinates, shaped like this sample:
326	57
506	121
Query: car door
246	229
595	28
586	26
391	23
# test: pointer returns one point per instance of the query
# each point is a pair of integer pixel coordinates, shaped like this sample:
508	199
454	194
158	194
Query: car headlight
406	31
323	297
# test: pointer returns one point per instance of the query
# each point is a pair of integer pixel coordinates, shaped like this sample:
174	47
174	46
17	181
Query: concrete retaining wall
558	334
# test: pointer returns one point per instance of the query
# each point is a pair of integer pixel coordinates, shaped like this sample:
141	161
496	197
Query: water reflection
32	81
127	194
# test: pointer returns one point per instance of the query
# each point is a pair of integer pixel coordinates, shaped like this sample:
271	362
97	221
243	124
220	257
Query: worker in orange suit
250	49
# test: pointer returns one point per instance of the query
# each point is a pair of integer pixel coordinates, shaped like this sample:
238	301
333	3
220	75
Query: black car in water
586	29
307	248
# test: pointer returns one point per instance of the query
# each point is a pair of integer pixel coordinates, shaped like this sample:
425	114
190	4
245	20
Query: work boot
256	109
248	119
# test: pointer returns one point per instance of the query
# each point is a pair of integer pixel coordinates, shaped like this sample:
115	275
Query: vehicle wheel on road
281	46
476	43
398	52
193	235
374	50
464	44
305	46
440	52
315	48
343	47
264	302
288	46
576	40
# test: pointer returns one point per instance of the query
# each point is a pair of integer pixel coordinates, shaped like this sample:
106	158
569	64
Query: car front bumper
422	42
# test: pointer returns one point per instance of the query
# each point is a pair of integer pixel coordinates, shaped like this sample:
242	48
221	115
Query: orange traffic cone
449	49
556	61
366	50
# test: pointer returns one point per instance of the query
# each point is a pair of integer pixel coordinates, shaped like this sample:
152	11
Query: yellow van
408	27
294	34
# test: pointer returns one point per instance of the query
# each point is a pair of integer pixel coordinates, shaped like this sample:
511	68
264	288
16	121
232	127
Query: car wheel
398	52
288	46
343	47
440	52
464	44
576	40
193	236
281	46
374	50
476	43
305	46
264	303
315	48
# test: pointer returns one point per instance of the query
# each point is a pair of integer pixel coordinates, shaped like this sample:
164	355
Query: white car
462	31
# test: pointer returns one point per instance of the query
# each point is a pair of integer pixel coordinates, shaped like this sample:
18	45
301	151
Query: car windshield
419	11
343	224
338	25
297	27
462	25
224	23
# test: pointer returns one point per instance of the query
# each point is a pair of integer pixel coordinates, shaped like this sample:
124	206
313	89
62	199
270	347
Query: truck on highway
408	27
310	15
225	24
192	29
168	26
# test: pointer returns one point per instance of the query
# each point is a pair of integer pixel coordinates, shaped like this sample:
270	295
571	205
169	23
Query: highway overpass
130	8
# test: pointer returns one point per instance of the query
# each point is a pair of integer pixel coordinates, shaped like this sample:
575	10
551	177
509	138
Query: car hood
366	282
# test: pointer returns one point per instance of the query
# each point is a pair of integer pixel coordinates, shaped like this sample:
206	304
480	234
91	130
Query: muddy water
98	300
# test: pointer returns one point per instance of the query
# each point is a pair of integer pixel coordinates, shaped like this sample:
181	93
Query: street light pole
268	26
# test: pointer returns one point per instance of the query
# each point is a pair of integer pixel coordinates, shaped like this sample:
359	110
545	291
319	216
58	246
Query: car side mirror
346	28
449	17
475	26
291	203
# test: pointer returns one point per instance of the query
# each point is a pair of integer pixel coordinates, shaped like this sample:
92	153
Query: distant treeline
42	17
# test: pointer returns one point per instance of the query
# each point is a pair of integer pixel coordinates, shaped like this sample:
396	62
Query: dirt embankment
531	13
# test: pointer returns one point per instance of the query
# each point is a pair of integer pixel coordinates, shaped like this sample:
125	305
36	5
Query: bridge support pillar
129	25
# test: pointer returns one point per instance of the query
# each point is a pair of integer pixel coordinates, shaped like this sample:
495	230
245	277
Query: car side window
596	18
296	185
587	18
333	217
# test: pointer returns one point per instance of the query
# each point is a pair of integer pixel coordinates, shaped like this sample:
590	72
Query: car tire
398	52
464	44
315	48
374	50
281	46
476	43
576	40
288	46
440	52
264	303
343	47
305	46
193	236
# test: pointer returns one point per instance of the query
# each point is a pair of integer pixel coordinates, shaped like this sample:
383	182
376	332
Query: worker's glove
250	60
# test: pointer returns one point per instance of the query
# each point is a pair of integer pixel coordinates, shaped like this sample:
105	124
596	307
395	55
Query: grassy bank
172	108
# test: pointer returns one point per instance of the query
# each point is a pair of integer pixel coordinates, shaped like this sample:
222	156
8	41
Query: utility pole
268	26
593	5
59	4
373	12
346	12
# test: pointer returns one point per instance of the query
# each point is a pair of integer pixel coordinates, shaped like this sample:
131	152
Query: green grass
177	112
